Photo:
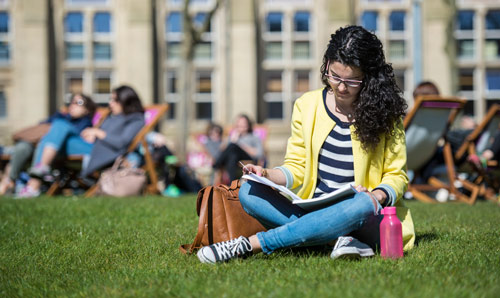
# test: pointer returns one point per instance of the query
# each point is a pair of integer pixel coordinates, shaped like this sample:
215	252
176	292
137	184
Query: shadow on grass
425	237
326	250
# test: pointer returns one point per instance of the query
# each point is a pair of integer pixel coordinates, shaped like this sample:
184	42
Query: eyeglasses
337	80
78	102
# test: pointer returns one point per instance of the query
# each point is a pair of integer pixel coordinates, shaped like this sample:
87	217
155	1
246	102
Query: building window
273	95
74	51
73	23
466	80
102	51
369	20
173	50
464	35
301	50
73	83
465	20
493	79
289	56
465	48
203	50
102	86
492	34
397	49
203	98
199	19
173	22
493	20
3	105
301	21
171	96
4	37
397	21
274	22
274	50
102	22
492	49
301	83
4	22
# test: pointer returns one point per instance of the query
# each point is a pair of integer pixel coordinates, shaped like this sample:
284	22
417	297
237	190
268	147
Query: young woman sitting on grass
350	131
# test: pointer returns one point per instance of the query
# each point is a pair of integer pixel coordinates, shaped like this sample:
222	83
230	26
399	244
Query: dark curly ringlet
380	104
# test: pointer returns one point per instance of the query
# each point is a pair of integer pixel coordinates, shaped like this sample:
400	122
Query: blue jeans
290	226
63	137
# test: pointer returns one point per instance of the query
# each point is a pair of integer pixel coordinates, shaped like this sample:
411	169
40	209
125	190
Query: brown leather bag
221	217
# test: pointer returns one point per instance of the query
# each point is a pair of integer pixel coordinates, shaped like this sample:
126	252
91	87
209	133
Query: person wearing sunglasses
62	138
348	132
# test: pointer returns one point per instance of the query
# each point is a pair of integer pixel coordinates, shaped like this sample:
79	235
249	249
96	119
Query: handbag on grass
221	217
121	181
32	134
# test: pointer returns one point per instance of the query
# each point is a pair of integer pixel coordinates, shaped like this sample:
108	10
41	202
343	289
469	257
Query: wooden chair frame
140	138
469	147
455	105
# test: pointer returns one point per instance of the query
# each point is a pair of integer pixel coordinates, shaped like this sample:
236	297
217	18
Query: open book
309	204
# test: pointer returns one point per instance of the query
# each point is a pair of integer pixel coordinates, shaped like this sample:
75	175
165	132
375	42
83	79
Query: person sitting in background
100	146
492	152
116	132
213	141
65	127
425	88
242	144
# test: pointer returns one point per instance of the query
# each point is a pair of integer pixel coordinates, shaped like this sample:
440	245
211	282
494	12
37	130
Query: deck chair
152	116
475	143
425	125
67	169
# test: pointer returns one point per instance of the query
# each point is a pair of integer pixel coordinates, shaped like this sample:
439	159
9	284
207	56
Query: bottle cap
389	211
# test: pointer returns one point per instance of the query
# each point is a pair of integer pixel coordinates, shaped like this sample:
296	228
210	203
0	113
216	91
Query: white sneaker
349	247
225	251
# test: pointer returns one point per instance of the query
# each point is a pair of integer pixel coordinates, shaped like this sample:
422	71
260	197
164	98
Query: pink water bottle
391	235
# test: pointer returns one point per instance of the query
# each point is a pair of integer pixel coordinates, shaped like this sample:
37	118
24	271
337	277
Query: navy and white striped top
335	162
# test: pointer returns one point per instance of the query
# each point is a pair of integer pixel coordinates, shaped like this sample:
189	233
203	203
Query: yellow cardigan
382	168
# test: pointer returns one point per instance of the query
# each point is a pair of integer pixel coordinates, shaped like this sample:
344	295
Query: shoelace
342	241
233	247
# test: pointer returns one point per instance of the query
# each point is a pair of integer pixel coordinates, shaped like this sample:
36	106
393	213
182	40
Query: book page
265	181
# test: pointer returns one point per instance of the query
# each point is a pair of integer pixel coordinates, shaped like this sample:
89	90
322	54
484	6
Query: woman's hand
275	175
233	138
91	134
377	194
250	168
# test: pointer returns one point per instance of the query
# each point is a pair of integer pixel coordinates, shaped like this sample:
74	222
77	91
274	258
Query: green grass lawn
129	247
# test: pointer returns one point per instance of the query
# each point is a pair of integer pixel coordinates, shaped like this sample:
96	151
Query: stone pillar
242	70
28	103
133	47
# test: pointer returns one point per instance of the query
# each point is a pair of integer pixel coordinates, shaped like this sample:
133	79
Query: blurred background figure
62	138
241	144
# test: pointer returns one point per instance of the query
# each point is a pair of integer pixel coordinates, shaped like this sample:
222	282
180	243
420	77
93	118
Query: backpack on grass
221	217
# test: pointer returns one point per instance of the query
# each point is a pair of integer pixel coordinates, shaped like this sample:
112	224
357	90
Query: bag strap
206	199
118	162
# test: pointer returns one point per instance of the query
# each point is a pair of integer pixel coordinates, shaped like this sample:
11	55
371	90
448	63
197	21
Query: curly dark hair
380	104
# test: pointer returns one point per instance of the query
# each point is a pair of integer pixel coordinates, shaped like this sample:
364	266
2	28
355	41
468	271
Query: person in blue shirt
62	138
